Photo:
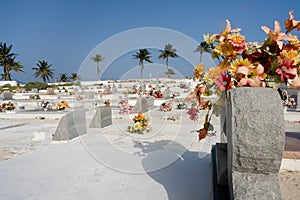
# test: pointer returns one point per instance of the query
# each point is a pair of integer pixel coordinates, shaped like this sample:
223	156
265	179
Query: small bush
39	85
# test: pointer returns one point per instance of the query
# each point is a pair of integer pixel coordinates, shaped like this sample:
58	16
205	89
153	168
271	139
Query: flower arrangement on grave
140	124
286	99
35	96
8	106
62	105
157	94
166	107
181	106
107	103
124	106
45	105
252	64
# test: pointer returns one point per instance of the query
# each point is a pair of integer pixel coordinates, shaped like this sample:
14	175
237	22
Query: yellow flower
238	63
226	49
211	76
198	70
237	40
291	54
223	66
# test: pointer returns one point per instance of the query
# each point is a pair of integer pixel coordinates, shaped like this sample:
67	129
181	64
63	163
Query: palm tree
7	61
98	58
43	71
63	77
75	76
165	54
142	55
203	47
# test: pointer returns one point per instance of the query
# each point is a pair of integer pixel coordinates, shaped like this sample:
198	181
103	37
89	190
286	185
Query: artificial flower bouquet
287	100
157	94
35	96
125	107
250	64
181	106
45	105
140	124
8	106
107	103
62	105
166	107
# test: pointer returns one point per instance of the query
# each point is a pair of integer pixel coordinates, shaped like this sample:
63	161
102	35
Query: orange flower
198	70
276	35
291	24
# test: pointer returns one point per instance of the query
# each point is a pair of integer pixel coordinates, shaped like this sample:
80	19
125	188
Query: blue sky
65	32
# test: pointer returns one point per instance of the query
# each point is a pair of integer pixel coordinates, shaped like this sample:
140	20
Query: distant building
11	83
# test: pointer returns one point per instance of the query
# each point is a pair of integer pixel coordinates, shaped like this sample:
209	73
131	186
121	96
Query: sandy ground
290	185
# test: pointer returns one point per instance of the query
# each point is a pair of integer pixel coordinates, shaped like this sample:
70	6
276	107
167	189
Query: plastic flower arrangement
9	106
250	64
35	96
140	124
45	105
125	107
287	100
62	105
255	64
181	106
107	103
166	107
157	94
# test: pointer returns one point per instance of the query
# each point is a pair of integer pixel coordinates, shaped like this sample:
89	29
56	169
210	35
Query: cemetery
87	124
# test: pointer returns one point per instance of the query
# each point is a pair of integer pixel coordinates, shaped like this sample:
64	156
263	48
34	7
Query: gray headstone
7	96
255	133
34	90
89	95
167	93
50	91
102	117
140	105
150	101
71	125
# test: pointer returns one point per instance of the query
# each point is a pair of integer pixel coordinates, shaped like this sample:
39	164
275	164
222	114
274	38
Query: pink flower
224	81
251	75
193	114
276	35
287	70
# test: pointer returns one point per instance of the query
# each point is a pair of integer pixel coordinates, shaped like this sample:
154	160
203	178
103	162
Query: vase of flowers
62	105
107	103
45	105
166	107
254	64
124	106
140	124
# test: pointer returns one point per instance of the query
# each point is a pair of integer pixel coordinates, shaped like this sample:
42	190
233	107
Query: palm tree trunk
201	57
98	71
167	63
142	69
7	75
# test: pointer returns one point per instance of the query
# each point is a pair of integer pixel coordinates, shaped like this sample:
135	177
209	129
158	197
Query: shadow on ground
188	177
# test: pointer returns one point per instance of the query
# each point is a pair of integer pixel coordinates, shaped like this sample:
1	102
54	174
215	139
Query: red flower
224	81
